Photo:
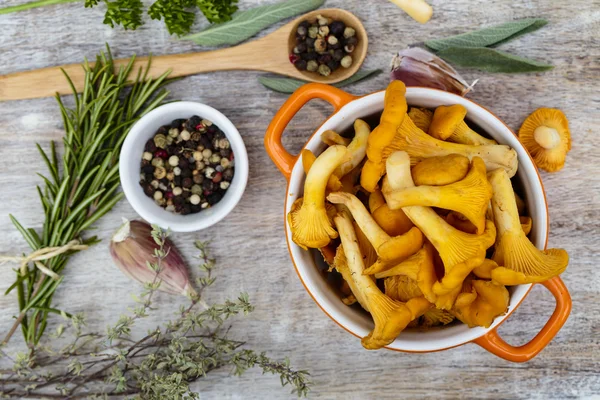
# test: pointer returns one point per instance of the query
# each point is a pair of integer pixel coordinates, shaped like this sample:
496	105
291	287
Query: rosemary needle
82	186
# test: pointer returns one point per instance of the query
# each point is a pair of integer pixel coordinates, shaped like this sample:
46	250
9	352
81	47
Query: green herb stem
34	4
85	188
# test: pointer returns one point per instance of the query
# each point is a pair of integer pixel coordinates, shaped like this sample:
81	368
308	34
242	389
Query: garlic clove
132	249
418	67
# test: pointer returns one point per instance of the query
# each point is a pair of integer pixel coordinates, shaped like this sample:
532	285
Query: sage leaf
288	85
491	36
491	60
246	24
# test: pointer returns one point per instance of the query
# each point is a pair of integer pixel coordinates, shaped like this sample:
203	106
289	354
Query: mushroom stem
546	137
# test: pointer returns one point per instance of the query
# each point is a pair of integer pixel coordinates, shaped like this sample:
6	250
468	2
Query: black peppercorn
176	123
163	130
177	180
351	40
225	153
148	190
150	146
338	55
149	177
301	64
214	198
183	163
337	28
199	178
148	169
186	194
205	142
300	48
178	201
325	59
309	56
228	174
186	173
187	183
196	208
164	181
333	65
336	46
187	208
208	186
212	129
192	123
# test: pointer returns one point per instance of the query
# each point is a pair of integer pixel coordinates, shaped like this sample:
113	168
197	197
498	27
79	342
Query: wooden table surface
250	244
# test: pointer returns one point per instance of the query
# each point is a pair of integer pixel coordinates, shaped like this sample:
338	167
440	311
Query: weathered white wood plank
250	244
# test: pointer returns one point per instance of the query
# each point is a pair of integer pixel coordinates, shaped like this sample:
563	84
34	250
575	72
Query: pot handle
278	154
493	343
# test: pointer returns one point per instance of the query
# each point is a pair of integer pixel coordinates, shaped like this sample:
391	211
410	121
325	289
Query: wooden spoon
269	53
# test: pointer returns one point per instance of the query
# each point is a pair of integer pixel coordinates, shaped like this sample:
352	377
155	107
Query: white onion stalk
132	249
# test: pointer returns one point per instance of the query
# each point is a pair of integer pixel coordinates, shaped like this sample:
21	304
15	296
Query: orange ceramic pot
347	109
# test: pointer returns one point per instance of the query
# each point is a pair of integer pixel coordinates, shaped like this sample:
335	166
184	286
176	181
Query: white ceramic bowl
347	109
131	156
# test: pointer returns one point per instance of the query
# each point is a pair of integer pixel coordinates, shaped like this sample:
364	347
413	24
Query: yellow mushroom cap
445	120
545	134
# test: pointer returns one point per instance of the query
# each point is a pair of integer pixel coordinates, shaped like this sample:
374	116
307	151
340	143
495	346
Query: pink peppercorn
161	153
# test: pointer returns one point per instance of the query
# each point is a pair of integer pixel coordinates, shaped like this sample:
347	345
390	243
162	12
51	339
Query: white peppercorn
157	162
312	66
322	21
346	61
177	171
195	199
196	189
324	70
147	156
349	48
324	30
215	159
206	153
224	162
205	205
320	46
349	32
158	195
154	184
173	132
224	185
160	172
209	172
173	161
200	165
177	191
313	32
198	155
206	122
332	40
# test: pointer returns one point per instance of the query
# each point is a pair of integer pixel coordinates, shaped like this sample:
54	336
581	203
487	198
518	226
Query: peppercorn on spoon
269	53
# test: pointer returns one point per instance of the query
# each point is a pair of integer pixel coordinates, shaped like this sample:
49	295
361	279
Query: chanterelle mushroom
448	124
520	261
309	223
545	134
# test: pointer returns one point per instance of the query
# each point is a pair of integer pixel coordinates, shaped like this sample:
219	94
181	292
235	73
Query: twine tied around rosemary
42	255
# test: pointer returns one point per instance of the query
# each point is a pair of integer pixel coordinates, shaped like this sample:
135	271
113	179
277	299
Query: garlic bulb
418	67
132	249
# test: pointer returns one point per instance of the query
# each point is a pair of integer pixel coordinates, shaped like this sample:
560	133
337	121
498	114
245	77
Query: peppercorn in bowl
183	166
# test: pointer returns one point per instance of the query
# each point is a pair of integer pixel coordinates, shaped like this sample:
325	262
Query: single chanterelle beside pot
348	108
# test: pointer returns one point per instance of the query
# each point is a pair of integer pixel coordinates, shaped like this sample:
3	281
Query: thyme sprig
163	364
83	186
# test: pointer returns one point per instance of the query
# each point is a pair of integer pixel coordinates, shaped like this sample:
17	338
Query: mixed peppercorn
187	166
323	46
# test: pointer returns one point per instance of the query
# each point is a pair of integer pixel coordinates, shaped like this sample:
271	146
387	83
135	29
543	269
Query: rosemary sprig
82	187
161	365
